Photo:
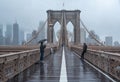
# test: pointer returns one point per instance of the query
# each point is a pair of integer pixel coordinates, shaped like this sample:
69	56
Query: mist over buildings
102	16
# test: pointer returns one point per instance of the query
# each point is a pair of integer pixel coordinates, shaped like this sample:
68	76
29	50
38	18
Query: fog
102	16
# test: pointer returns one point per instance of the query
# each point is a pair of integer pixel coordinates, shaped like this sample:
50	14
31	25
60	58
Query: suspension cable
91	33
35	36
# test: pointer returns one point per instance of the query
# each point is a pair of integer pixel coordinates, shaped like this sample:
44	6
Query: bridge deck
50	70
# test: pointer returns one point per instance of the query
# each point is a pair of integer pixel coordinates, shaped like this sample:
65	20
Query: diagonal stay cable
35	36
91	33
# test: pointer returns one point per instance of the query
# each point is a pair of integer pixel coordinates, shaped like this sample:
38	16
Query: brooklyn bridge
22	63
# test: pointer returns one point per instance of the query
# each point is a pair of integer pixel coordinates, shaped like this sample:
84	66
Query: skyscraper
28	37
1	35
8	34
42	33
108	41
15	34
34	41
1	29
21	37
116	43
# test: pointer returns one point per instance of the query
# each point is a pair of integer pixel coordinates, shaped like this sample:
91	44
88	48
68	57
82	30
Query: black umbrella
43	40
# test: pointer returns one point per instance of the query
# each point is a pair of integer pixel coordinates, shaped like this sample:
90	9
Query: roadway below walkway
63	66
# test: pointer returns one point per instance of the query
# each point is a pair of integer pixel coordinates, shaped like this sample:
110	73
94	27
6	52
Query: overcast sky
102	16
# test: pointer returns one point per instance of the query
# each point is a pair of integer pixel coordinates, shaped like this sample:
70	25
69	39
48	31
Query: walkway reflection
46	71
49	70
79	71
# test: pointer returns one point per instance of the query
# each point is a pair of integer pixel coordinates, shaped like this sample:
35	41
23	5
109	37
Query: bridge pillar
63	17
50	35
77	28
49	29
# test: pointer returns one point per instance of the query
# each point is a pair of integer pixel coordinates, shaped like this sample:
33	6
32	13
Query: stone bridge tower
63	17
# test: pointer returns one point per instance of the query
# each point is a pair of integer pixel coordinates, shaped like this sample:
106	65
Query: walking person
42	47
84	50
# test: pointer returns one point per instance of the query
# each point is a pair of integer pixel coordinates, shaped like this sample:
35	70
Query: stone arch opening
56	33
70	31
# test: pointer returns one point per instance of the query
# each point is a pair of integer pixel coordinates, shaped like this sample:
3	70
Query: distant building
1	29
1	35
108	41
15	34
42	32
34	41
90	40
21	37
116	43
28	37
8	35
83	36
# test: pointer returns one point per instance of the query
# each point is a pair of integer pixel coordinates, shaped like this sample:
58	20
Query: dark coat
42	47
84	48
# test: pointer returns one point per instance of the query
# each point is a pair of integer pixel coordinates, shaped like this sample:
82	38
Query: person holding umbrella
84	50
42	48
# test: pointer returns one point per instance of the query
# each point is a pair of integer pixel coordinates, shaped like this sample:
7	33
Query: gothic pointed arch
63	17
70	31
56	34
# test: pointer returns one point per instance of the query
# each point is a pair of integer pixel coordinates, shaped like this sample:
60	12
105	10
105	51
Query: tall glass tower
15	34
8	34
1	35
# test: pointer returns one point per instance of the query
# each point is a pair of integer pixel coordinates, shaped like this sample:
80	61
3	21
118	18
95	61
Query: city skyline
57	25
59	41
98	15
12	35
24	38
